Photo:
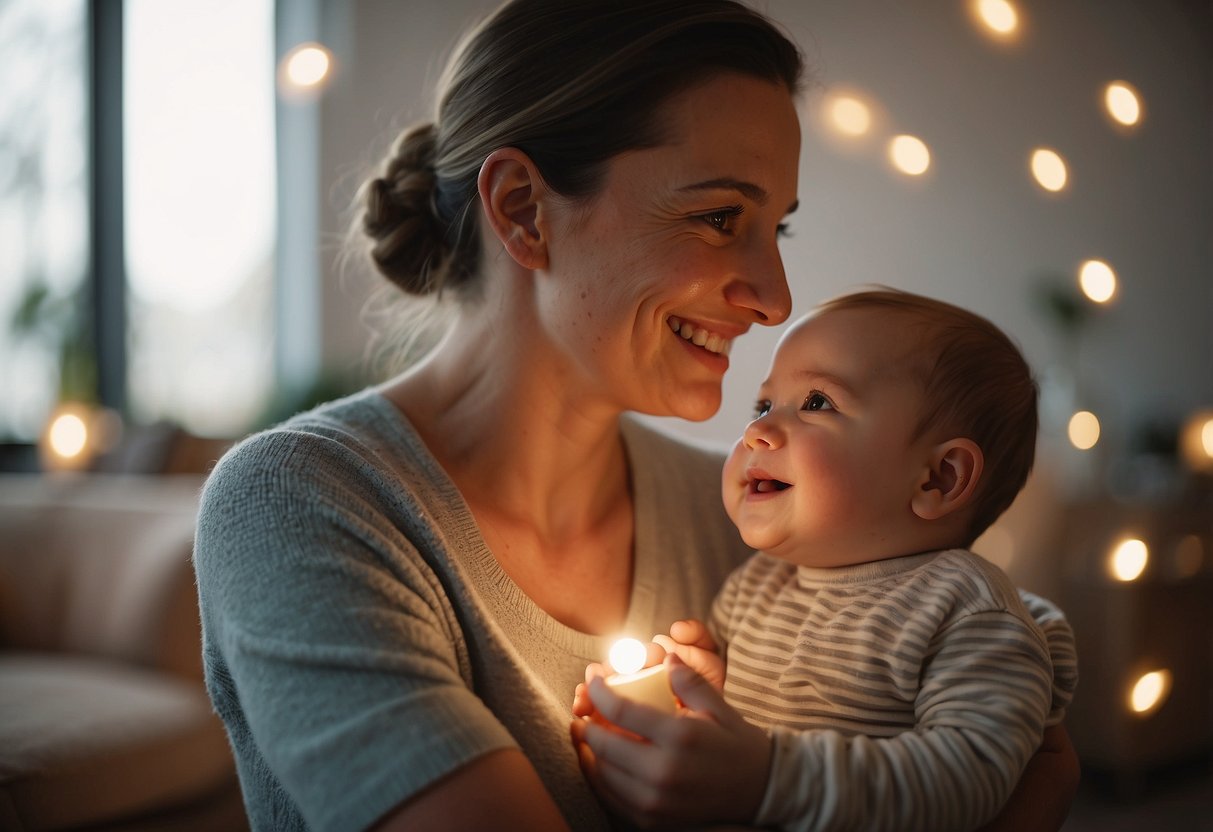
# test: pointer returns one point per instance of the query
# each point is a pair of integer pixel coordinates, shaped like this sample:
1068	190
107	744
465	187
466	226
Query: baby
902	680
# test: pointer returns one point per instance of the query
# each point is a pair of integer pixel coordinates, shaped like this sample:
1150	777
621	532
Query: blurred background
175	180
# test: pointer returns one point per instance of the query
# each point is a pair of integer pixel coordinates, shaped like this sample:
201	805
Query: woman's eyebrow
755	193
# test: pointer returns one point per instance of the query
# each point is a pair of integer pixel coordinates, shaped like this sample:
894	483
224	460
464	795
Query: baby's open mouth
763	486
699	336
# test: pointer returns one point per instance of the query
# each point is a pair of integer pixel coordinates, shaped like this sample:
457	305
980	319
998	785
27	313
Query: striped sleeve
985	692
1062	652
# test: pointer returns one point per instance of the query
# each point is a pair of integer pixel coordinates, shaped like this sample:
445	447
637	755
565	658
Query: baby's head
889	423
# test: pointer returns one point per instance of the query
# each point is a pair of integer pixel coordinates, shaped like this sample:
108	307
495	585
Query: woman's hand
704	765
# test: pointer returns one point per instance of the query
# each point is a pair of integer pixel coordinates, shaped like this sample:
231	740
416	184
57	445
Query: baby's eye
761	408
817	401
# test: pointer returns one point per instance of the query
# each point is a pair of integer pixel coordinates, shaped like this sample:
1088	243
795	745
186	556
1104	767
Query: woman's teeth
700	337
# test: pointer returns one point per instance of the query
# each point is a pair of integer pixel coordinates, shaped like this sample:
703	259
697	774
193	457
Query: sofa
104	719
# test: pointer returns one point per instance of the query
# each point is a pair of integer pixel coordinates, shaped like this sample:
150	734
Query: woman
401	590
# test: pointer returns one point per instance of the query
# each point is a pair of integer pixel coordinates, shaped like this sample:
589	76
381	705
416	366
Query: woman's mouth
699	336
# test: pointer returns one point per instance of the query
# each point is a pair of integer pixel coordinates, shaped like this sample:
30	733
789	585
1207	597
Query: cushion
86	740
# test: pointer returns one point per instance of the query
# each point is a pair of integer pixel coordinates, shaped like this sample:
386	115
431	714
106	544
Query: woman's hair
976	384
571	83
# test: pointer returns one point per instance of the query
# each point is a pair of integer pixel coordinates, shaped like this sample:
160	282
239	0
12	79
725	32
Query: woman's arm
1042	797
500	790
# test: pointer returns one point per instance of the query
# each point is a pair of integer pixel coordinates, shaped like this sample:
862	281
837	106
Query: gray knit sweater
360	640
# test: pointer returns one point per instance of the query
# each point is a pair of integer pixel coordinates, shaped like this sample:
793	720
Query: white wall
975	230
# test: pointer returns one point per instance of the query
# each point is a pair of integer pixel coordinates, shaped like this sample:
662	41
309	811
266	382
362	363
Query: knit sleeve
329	642
979	715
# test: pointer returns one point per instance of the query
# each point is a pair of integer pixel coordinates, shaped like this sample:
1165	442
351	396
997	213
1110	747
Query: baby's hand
691	642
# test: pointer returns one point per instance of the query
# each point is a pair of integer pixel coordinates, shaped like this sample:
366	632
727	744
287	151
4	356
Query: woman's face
651	280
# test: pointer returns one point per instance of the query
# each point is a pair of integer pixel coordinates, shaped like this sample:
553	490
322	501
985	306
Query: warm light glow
67	436
909	155
850	115
627	655
1189	556
1129	560
1196	441
1122	103
307	65
1097	280
1150	691
1083	430
998	15
1049	169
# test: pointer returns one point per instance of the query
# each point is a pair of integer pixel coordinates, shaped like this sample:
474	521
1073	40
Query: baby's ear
512	193
949	480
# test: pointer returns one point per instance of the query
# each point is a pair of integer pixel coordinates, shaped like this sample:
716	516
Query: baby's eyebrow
826	378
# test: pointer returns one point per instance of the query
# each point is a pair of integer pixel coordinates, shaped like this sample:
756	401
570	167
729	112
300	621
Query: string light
1129	559
305	69
1149	692
850	116
909	155
1083	430
1049	169
999	17
1097	280
1122	103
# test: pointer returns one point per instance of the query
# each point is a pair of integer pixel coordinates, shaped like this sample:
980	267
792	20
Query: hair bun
400	216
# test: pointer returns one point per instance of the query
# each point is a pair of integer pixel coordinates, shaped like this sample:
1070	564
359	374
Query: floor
1180	798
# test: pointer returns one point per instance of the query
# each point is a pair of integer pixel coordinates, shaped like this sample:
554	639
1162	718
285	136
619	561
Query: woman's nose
763	290
762	433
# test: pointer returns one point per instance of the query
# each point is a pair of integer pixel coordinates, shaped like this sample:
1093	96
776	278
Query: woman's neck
513	427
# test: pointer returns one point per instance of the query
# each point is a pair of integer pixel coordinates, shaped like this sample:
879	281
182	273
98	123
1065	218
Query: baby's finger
693	632
595	669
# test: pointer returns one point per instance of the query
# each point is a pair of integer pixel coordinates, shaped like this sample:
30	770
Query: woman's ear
950	480
511	196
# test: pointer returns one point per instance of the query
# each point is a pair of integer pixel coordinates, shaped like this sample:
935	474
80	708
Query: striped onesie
901	694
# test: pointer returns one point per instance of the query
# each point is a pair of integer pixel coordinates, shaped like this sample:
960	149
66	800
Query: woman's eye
722	220
817	401
761	409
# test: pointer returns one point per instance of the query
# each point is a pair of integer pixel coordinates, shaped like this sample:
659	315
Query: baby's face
824	474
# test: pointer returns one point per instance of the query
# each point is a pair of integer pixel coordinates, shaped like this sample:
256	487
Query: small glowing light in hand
1129	560
627	655
1097	280
1150	691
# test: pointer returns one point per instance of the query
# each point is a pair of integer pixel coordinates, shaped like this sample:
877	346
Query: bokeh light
1097	280
1049	169
1129	559
1083	430
850	116
1150	691
1000	17
909	155
1122	103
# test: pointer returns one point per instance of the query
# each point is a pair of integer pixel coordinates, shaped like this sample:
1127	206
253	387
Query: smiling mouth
699	336
766	486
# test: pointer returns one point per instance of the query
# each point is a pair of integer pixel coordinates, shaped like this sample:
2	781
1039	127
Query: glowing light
67	436
307	65
1097	280
1189	556
1196	441
999	16
909	155
1049	169
1083	430
627	655
1122	103
1150	691
1129	560
850	115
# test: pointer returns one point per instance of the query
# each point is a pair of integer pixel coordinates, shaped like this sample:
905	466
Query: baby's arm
979	717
